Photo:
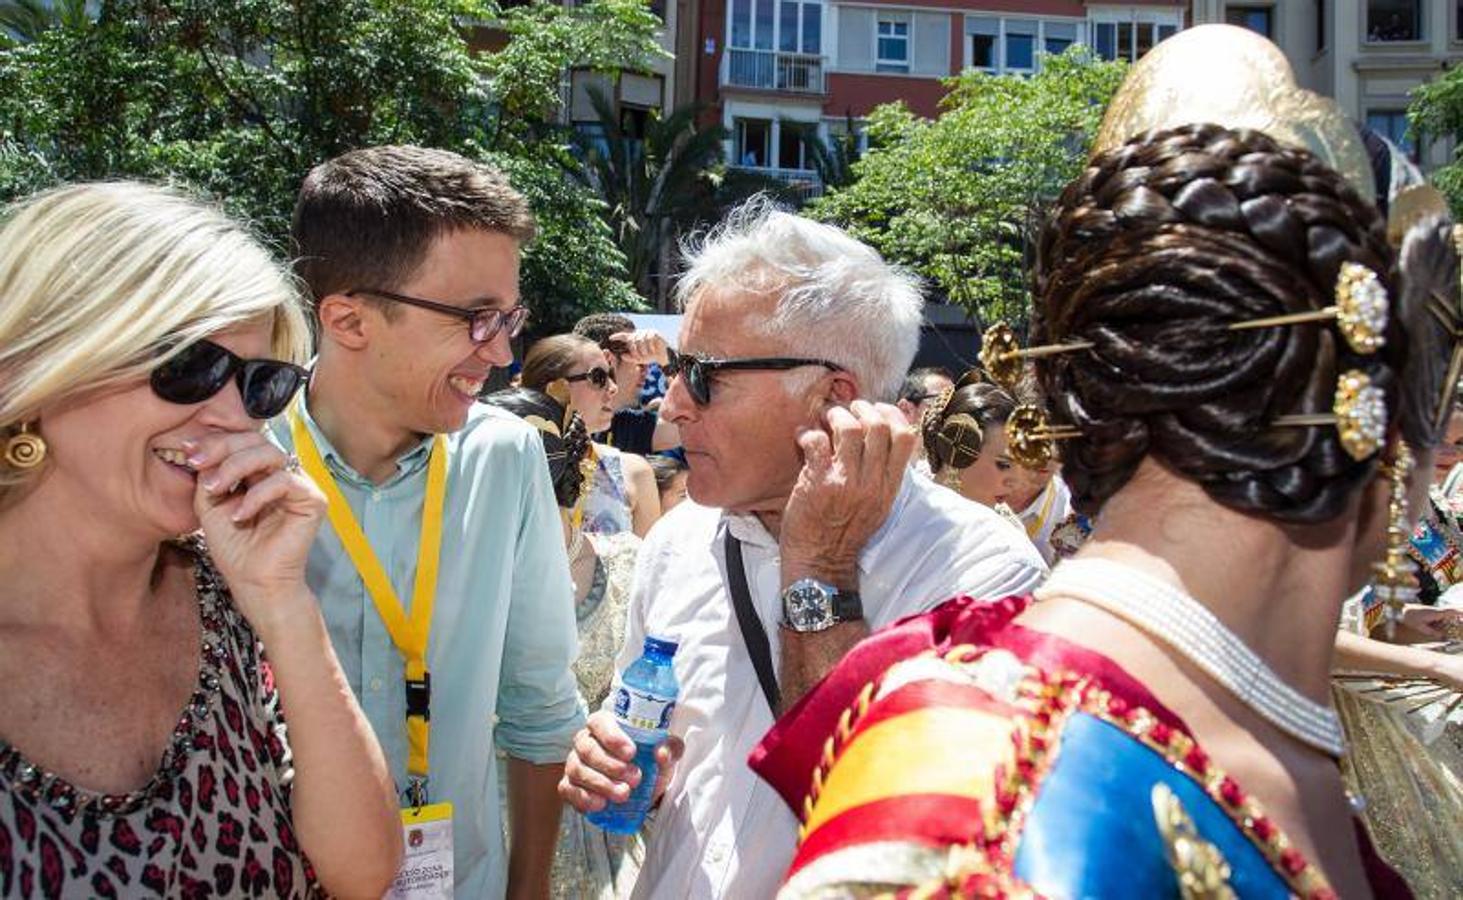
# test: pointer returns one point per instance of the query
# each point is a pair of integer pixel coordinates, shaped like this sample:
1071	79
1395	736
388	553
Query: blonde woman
144	339
622	495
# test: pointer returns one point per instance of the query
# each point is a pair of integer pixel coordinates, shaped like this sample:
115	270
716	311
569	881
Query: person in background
588	863
793	330
174	721
670	479
411	256
921	388
634	428
965	442
621	494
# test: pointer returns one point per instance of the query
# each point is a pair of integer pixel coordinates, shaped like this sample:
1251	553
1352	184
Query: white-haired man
791	329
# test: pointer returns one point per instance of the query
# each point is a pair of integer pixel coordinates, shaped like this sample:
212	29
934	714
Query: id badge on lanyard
426	866
426	872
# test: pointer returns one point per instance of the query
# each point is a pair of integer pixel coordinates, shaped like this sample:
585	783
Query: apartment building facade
1367	54
774	70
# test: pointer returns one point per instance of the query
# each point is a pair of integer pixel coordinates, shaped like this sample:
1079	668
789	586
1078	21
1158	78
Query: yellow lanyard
408	633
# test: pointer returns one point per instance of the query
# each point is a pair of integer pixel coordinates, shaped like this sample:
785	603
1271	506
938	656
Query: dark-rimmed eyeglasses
697	370
483	323
201	370
597	376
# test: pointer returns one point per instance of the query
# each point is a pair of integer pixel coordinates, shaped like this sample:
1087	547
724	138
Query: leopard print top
214	820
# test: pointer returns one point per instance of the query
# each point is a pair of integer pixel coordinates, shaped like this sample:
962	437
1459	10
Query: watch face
808	608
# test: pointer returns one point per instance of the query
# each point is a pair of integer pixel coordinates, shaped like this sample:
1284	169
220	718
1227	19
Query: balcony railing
804	184
799	73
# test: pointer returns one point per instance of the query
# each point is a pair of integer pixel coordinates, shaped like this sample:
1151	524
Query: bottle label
639	709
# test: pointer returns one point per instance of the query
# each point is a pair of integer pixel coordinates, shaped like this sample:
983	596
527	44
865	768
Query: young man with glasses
792	328
442	574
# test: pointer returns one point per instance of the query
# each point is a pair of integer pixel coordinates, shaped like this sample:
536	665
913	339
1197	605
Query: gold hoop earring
24	450
1395	584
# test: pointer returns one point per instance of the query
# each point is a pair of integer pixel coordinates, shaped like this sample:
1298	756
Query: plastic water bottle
644	700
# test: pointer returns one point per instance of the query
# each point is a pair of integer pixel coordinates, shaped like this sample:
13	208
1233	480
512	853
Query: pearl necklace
1177	619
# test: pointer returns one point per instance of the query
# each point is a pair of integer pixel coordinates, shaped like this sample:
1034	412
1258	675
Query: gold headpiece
1395	584
1360	310
1232	77
1001	353
1359	413
960	437
1030	438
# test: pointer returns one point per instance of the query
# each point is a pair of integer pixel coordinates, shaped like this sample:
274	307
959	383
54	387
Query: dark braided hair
565	451
1149	254
954	434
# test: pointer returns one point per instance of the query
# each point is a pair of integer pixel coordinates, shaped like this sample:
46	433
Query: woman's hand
259	516
1433	622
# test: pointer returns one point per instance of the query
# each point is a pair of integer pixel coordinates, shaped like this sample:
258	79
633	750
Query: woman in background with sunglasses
143	750
573	370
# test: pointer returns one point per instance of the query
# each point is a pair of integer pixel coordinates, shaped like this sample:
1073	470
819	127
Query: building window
1106	39
800	27
753	142
1020	45
893	47
1259	19
792	145
1320	25
1128	38
1393	20
1058	36
1392	125
984	33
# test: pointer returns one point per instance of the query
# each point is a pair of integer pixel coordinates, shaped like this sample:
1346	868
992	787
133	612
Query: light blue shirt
503	633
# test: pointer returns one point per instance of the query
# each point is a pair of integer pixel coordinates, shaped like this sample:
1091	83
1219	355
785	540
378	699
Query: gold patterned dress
1404	761
589	863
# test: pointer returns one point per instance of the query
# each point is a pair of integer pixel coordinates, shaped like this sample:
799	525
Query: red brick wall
857	94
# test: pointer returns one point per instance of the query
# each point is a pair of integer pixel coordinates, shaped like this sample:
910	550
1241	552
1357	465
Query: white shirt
1051	508
720	831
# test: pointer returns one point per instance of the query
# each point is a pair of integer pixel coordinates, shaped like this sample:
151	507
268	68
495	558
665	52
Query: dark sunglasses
697	370
596	376
483	324
202	369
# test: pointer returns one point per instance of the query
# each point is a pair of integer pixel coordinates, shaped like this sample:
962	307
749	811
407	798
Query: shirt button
376	685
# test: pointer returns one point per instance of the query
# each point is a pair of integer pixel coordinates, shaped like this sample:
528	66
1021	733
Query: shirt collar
749	529
411	461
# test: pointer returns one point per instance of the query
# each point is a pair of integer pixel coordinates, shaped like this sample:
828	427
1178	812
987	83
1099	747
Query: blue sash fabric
1091	831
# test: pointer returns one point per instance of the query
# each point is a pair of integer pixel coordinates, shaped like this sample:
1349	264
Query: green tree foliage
1437	112
239	98
955	199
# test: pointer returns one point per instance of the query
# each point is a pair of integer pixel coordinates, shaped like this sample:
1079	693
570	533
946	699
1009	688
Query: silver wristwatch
812	605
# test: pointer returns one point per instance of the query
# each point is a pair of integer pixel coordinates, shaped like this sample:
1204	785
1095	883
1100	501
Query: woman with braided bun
1159	724
964	434
588	862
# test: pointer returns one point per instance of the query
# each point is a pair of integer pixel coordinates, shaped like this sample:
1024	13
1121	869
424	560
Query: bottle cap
660	646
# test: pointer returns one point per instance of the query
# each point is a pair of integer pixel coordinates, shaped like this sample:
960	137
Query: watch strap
848	606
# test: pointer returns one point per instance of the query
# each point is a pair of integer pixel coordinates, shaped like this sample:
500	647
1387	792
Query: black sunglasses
596	376
697	370
202	369
483	324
